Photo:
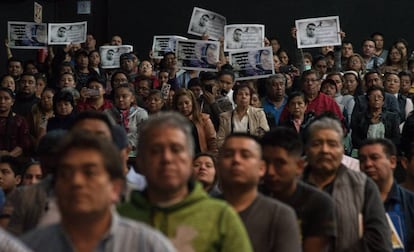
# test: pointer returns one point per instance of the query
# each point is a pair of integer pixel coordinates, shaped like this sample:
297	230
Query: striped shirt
123	235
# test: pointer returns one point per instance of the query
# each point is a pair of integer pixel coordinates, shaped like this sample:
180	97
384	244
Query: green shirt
198	222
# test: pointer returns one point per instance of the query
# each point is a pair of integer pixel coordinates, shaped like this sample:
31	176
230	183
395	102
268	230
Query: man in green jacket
172	202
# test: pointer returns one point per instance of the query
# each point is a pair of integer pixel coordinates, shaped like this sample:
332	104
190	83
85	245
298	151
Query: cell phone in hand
92	92
165	90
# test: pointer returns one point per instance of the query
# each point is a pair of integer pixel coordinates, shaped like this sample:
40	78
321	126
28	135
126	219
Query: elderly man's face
166	162
325	150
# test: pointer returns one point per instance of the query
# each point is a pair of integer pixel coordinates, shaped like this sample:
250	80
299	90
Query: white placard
110	55
243	36
204	22
318	32
27	35
200	55
252	63
66	33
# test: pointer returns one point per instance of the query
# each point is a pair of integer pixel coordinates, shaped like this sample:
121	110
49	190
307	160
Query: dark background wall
138	21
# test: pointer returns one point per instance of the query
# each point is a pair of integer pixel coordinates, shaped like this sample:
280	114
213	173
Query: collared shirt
241	125
9	243
269	107
404	198
374	62
123	235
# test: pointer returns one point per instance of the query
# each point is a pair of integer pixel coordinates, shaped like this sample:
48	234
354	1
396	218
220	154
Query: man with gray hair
173	202
88	180
361	222
275	100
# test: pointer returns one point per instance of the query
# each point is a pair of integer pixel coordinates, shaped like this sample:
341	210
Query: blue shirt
270	108
403	198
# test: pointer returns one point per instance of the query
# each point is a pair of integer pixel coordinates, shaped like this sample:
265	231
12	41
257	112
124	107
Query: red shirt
319	105
82	106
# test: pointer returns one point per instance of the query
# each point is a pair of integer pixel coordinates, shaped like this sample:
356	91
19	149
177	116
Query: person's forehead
15	63
369	42
95	83
94	125
28	77
372	149
310	75
270	151
94	157
241	143
166	134
4	165
327	134
373	76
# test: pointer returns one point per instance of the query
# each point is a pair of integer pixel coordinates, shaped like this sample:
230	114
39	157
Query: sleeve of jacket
392	130
210	133
262	120
377	234
223	130
358	132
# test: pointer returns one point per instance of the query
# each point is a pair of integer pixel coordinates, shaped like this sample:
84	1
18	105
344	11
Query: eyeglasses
310	80
376	97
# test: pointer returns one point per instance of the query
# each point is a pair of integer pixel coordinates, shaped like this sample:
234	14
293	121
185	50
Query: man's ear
124	157
18	179
300	166
393	161
404	163
118	186
262	168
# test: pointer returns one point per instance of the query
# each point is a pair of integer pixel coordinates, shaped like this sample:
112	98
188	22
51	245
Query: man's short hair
194	82
13	163
243	135
166	120
367	39
226	72
96	79
310	24
277	76
387	145
65	96
409	151
406	73
285	138
376	34
309	72
28	74
92	115
206	76
372	71
325	123
83	140
346	42
14	59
